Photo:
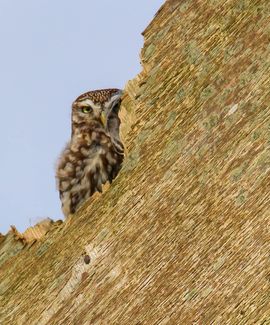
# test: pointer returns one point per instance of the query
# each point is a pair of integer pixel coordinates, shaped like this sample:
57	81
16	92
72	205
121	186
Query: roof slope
182	235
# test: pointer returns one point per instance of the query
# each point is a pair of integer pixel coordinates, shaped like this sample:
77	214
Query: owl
95	152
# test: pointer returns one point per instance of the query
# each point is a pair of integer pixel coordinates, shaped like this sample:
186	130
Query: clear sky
51	52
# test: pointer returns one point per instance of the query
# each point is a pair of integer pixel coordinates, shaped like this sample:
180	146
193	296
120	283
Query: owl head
97	108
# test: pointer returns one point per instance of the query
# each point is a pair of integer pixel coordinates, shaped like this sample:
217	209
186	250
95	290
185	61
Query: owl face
95	108
86	111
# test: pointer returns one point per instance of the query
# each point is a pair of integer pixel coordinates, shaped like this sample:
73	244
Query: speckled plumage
95	152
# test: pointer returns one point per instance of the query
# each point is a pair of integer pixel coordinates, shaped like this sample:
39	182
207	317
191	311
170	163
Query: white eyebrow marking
88	102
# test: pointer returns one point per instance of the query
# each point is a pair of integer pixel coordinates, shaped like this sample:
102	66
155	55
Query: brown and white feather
95	152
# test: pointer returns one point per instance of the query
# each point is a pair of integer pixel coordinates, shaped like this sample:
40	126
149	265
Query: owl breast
89	161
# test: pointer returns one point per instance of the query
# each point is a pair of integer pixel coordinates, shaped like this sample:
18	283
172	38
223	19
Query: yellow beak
103	118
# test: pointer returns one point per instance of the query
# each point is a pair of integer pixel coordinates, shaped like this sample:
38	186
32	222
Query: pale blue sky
51	52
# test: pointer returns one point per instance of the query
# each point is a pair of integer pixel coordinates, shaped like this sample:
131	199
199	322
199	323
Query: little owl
95	152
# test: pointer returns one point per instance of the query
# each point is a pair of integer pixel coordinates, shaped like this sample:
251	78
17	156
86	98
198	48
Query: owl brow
88	102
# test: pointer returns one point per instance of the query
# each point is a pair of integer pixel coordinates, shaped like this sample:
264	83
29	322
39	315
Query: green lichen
102	235
143	135
209	123
149	51
256	135
171	120
184	7
193	52
190	295
241	197
132	161
180	95
172	149
263	161
43	248
238	172
207	92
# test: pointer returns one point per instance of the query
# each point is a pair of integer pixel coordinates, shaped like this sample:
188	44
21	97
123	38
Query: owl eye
86	109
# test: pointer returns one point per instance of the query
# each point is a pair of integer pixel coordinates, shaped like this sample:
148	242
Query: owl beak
103	118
